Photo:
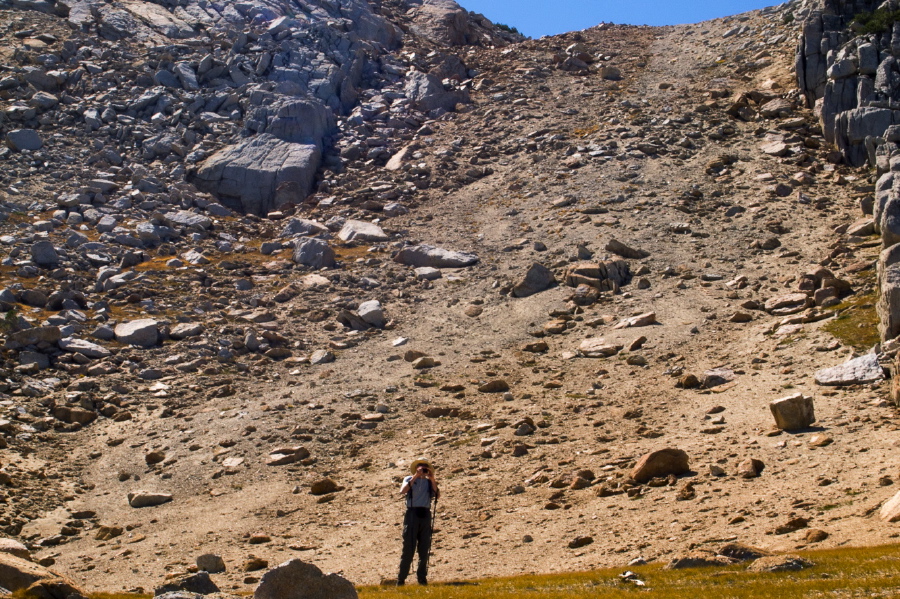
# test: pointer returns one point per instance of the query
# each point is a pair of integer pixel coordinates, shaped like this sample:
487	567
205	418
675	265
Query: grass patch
856	324
846	572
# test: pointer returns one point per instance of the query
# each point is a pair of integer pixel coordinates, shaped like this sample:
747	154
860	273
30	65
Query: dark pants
416	533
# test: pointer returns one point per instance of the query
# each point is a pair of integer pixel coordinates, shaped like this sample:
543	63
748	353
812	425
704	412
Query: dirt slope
651	159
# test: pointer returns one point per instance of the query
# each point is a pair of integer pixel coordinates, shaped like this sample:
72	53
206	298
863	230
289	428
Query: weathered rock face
245	176
295	579
842	75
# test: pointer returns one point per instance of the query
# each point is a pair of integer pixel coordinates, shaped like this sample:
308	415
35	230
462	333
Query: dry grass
847	572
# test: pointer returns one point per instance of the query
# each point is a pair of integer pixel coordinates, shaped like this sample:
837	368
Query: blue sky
542	17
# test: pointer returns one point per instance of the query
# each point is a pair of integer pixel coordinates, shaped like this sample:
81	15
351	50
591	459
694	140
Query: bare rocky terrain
642	239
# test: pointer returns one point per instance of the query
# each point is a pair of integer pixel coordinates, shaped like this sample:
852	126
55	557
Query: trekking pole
430	548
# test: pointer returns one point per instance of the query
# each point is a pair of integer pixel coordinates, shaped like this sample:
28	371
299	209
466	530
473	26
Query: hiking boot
423	582
401	583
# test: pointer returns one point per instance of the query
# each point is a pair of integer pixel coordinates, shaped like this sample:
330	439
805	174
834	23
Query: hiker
419	489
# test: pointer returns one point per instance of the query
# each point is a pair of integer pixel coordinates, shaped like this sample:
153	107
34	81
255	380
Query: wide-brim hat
420	462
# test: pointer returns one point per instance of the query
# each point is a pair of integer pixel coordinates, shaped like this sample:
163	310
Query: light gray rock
186	76
857	371
889	224
295	579
321	356
299	120
143	332
793	412
44	254
842	69
888	306
185	330
882	195
868	59
427	92
427	273
246	176
537	279
372	313
360	230
24	139
140	499
85	348
315	253
302	226
185	218
427	255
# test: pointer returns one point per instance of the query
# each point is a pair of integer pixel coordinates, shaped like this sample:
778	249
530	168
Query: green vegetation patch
875	22
505	27
856	324
846	572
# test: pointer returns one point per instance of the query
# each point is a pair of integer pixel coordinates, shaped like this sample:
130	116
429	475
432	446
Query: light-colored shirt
420	492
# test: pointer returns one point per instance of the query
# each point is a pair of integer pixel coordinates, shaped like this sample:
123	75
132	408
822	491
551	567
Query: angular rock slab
858	371
295	579
598	347
360	230
143	332
85	348
662	462
430	256
538	278
24	139
793	412
245	176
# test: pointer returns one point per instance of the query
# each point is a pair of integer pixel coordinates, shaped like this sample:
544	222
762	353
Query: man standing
419	490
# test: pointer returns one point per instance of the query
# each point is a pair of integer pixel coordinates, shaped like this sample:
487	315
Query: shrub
878	21
507	28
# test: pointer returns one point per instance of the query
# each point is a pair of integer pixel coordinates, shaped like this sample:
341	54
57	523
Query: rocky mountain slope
258	257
